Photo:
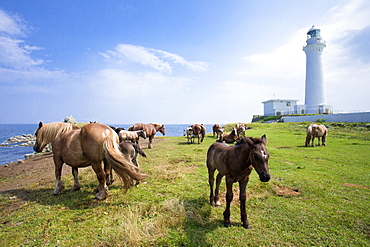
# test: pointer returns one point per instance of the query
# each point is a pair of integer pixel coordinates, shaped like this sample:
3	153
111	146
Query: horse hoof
227	225
57	193
75	188
246	226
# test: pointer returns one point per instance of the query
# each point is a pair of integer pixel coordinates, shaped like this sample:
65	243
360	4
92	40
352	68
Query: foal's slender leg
217	190
229	198
102	189
323	140
242	198
211	180
59	187
313	141
76	185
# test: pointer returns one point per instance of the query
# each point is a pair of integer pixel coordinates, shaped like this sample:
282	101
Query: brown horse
217	130
236	163
47	133
240	128
150	130
199	130
229	138
318	131
90	145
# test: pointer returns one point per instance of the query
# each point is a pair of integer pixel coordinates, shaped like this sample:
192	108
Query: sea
12	153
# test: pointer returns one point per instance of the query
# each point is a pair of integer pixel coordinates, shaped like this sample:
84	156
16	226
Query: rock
70	119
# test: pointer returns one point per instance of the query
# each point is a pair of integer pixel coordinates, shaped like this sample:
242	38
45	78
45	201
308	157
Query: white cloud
11	25
14	53
156	59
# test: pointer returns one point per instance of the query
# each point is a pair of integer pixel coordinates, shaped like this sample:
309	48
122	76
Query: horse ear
264	139
40	124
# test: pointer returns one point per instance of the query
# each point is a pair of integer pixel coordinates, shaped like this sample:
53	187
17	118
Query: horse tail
125	170
138	149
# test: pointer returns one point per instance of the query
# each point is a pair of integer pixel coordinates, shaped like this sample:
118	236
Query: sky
174	62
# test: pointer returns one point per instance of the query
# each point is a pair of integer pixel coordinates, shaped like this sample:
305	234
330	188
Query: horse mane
49	132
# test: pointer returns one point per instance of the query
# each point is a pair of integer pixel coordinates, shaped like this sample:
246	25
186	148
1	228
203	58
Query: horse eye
256	156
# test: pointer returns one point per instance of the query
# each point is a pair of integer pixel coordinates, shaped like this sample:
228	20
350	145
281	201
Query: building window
287	103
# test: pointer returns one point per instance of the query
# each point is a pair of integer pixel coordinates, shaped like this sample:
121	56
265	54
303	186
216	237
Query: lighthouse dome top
314	36
313	28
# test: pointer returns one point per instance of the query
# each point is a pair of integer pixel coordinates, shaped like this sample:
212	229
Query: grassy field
317	196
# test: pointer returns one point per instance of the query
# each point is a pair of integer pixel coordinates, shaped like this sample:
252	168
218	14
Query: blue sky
195	61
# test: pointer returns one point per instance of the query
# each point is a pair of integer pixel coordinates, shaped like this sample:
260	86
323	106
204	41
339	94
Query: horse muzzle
37	149
264	177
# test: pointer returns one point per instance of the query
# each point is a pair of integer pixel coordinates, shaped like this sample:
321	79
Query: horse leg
318	141
102	189
76	185
229	198
217	190
108	173
211	180
313	141
308	139
150	142
323	140
59	187
242	198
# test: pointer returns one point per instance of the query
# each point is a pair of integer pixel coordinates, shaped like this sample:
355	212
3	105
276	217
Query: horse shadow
73	200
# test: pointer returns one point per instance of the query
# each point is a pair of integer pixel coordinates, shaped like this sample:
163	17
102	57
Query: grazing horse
131	150
229	138
217	130
90	145
150	130
46	133
318	131
189	133
236	163
240	128
199	130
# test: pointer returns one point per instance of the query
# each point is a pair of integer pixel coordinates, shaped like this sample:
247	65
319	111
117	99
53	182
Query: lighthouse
315	96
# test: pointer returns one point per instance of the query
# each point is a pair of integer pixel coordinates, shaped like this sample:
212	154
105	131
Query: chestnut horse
236	163
150	130
47	133
318	131
199	130
90	145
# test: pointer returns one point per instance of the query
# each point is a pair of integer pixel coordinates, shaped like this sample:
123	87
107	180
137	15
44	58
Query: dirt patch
356	186
38	169
285	191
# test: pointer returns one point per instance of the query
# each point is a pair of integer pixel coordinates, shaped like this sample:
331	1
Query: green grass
318	196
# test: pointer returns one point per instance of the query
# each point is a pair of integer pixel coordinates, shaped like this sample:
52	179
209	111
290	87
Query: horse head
142	133
39	146
162	130
259	156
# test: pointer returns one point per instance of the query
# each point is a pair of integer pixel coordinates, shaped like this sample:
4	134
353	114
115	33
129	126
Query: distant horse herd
108	148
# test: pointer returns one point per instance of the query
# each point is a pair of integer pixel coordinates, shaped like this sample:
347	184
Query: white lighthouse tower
315	96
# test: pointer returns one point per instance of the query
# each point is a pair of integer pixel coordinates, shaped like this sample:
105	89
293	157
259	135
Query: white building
277	107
